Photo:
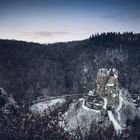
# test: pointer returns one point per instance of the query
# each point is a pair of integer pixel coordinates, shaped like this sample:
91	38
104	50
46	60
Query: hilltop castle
107	85
107	81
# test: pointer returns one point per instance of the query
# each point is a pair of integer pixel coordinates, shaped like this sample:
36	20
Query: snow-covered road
105	103
116	125
120	105
42	106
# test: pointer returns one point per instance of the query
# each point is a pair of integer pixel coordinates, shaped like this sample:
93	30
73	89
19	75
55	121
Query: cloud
136	15
45	34
126	15
111	16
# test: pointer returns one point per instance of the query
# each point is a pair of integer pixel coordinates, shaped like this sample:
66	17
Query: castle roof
107	72
110	83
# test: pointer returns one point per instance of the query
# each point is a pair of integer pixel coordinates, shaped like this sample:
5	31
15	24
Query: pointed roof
110	82
111	73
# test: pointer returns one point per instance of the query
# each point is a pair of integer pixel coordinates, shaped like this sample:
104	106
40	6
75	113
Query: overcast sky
49	21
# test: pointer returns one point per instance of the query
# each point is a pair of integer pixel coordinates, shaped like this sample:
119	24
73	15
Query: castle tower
107	81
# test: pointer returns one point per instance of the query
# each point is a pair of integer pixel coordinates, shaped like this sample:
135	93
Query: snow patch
116	125
82	117
120	105
105	103
91	92
42	106
88	109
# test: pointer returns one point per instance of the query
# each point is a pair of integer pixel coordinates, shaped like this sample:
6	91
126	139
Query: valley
87	89
105	105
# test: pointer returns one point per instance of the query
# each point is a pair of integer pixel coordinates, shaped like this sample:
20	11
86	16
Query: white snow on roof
110	83
114	95
115	72
103	72
106	72
91	92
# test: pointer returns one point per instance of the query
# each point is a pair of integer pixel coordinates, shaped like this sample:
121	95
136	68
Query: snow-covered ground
120	105
81	117
126	108
86	108
2	90
41	106
91	92
116	125
105	103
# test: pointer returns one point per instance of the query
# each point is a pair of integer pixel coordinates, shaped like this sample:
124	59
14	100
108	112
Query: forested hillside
29	70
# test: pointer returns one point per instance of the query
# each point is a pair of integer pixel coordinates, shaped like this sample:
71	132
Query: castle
106	87
107	81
